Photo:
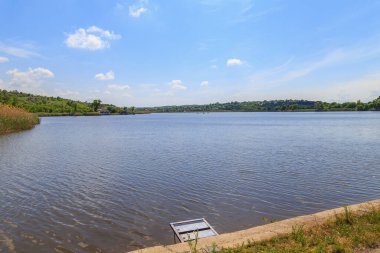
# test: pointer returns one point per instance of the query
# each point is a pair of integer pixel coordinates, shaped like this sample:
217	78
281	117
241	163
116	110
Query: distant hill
273	106
44	105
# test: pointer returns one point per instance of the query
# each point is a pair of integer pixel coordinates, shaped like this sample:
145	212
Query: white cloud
107	76
29	79
234	62
92	38
366	88
291	71
177	85
136	12
331	58
66	93
103	33
137	9
3	59
118	89
204	83
17	51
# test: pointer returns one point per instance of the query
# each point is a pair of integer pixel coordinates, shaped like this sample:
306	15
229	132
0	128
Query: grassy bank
45	114
14	119
348	232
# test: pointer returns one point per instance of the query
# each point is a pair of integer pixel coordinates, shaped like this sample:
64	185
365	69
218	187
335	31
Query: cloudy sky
164	52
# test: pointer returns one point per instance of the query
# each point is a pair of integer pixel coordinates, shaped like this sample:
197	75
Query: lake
113	183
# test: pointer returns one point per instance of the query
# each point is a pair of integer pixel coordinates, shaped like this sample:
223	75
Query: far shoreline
46	115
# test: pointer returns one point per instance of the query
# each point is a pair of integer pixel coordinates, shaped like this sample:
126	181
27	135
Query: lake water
113	183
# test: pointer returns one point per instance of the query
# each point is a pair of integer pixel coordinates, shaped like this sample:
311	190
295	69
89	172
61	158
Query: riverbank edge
43	115
13	120
263	232
13	131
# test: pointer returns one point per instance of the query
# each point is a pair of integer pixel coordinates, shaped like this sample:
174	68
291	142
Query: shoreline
14	120
263	232
197	112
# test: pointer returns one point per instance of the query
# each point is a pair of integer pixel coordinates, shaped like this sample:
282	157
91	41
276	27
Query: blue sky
151	52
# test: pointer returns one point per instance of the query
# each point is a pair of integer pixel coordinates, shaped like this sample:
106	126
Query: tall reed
13	119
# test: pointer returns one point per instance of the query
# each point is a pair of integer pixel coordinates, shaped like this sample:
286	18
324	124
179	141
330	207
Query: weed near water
298	235
347	232
14	119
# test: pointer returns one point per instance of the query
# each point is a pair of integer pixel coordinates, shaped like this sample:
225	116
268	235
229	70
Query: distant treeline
273	106
44	105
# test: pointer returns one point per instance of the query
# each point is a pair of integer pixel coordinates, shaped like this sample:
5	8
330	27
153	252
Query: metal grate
190	229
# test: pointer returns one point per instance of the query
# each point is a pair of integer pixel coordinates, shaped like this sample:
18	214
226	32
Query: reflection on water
111	184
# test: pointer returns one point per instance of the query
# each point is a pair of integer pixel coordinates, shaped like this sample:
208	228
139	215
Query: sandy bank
262	232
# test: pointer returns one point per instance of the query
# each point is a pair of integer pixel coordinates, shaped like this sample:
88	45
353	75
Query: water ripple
111	184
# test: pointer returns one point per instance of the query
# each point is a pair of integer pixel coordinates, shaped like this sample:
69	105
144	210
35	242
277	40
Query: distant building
104	112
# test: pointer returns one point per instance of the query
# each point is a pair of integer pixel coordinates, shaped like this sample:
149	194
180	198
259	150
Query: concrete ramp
262	232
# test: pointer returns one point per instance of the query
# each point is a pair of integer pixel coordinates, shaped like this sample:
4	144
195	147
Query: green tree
74	108
14	101
125	110
360	106
293	107
319	106
96	104
112	109
376	104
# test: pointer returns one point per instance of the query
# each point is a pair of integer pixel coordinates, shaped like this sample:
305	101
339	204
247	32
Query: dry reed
13	119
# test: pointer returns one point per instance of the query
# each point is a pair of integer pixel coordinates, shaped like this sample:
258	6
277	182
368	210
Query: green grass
348	232
14	119
57	114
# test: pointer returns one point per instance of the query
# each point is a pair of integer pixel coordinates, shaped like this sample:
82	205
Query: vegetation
273	106
347	233
56	106
14	119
